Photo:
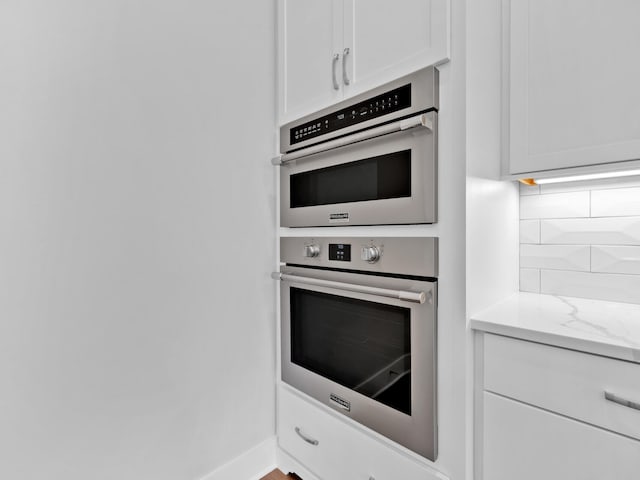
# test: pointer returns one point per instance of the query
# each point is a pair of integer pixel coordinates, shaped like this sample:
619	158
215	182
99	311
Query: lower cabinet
542	414
527	443
334	450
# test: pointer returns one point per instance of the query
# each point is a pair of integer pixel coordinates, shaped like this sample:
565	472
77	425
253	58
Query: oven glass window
365	346
376	178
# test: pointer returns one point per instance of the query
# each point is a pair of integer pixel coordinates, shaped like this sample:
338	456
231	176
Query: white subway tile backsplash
600	286
582	239
558	205
591	231
615	202
529	231
615	259
557	257
530	280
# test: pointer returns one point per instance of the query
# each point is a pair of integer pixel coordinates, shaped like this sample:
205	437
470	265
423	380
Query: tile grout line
539	280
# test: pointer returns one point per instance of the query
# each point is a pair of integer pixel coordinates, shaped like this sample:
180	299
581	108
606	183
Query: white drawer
525	443
564	381
343	452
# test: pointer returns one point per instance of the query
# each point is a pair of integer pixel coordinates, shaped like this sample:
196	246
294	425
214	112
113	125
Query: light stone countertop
604	328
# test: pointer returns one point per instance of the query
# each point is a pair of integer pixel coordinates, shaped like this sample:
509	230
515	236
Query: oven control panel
401	98
388	102
392	255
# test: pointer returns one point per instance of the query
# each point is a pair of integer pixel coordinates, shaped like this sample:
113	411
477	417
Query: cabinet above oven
336	49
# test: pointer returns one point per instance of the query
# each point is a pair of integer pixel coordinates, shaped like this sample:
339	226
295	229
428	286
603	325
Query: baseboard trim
253	464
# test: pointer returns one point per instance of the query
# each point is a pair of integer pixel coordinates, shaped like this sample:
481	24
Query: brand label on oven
339	218
341	402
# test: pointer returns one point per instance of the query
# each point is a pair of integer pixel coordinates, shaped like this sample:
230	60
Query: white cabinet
543	414
526	443
573	76
334	49
335	450
310	36
389	39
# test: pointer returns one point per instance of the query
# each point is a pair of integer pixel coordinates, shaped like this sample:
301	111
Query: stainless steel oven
369	160
359	331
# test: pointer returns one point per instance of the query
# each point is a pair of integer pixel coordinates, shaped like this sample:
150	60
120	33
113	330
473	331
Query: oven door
347	343
386	180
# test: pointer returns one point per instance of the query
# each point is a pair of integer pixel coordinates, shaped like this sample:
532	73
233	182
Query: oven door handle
416	297
424	121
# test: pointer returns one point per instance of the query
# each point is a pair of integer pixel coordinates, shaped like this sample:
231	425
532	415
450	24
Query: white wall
491	204
136	232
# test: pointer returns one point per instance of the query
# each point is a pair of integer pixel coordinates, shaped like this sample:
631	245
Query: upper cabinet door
310	35
329	50
387	39
574	78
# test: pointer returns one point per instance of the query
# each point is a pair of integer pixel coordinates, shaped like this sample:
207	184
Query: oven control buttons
370	254
311	251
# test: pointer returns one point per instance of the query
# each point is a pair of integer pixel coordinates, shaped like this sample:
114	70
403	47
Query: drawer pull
305	438
621	401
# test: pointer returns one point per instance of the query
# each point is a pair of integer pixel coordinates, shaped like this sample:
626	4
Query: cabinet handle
621	401
336	57
345	77
305	438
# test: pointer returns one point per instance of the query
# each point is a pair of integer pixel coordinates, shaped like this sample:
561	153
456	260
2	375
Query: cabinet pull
336	57
621	401
345	77
305	438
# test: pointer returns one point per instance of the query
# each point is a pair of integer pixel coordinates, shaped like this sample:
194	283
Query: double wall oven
371	160
358	316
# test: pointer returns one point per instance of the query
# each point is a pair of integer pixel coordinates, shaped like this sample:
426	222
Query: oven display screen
340	252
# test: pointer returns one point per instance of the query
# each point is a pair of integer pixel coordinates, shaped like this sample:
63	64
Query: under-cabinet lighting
576	178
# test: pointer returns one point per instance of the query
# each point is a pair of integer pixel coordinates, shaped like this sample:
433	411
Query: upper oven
369	160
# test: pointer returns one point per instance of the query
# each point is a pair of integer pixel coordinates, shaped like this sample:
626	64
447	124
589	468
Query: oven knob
311	251
370	254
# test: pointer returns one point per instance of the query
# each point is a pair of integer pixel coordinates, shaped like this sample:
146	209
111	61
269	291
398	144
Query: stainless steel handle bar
621	401
424	120
415	297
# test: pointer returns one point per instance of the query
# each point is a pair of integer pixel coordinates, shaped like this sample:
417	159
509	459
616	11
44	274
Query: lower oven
359	331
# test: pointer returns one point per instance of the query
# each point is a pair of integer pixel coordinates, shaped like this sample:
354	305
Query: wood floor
278	475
